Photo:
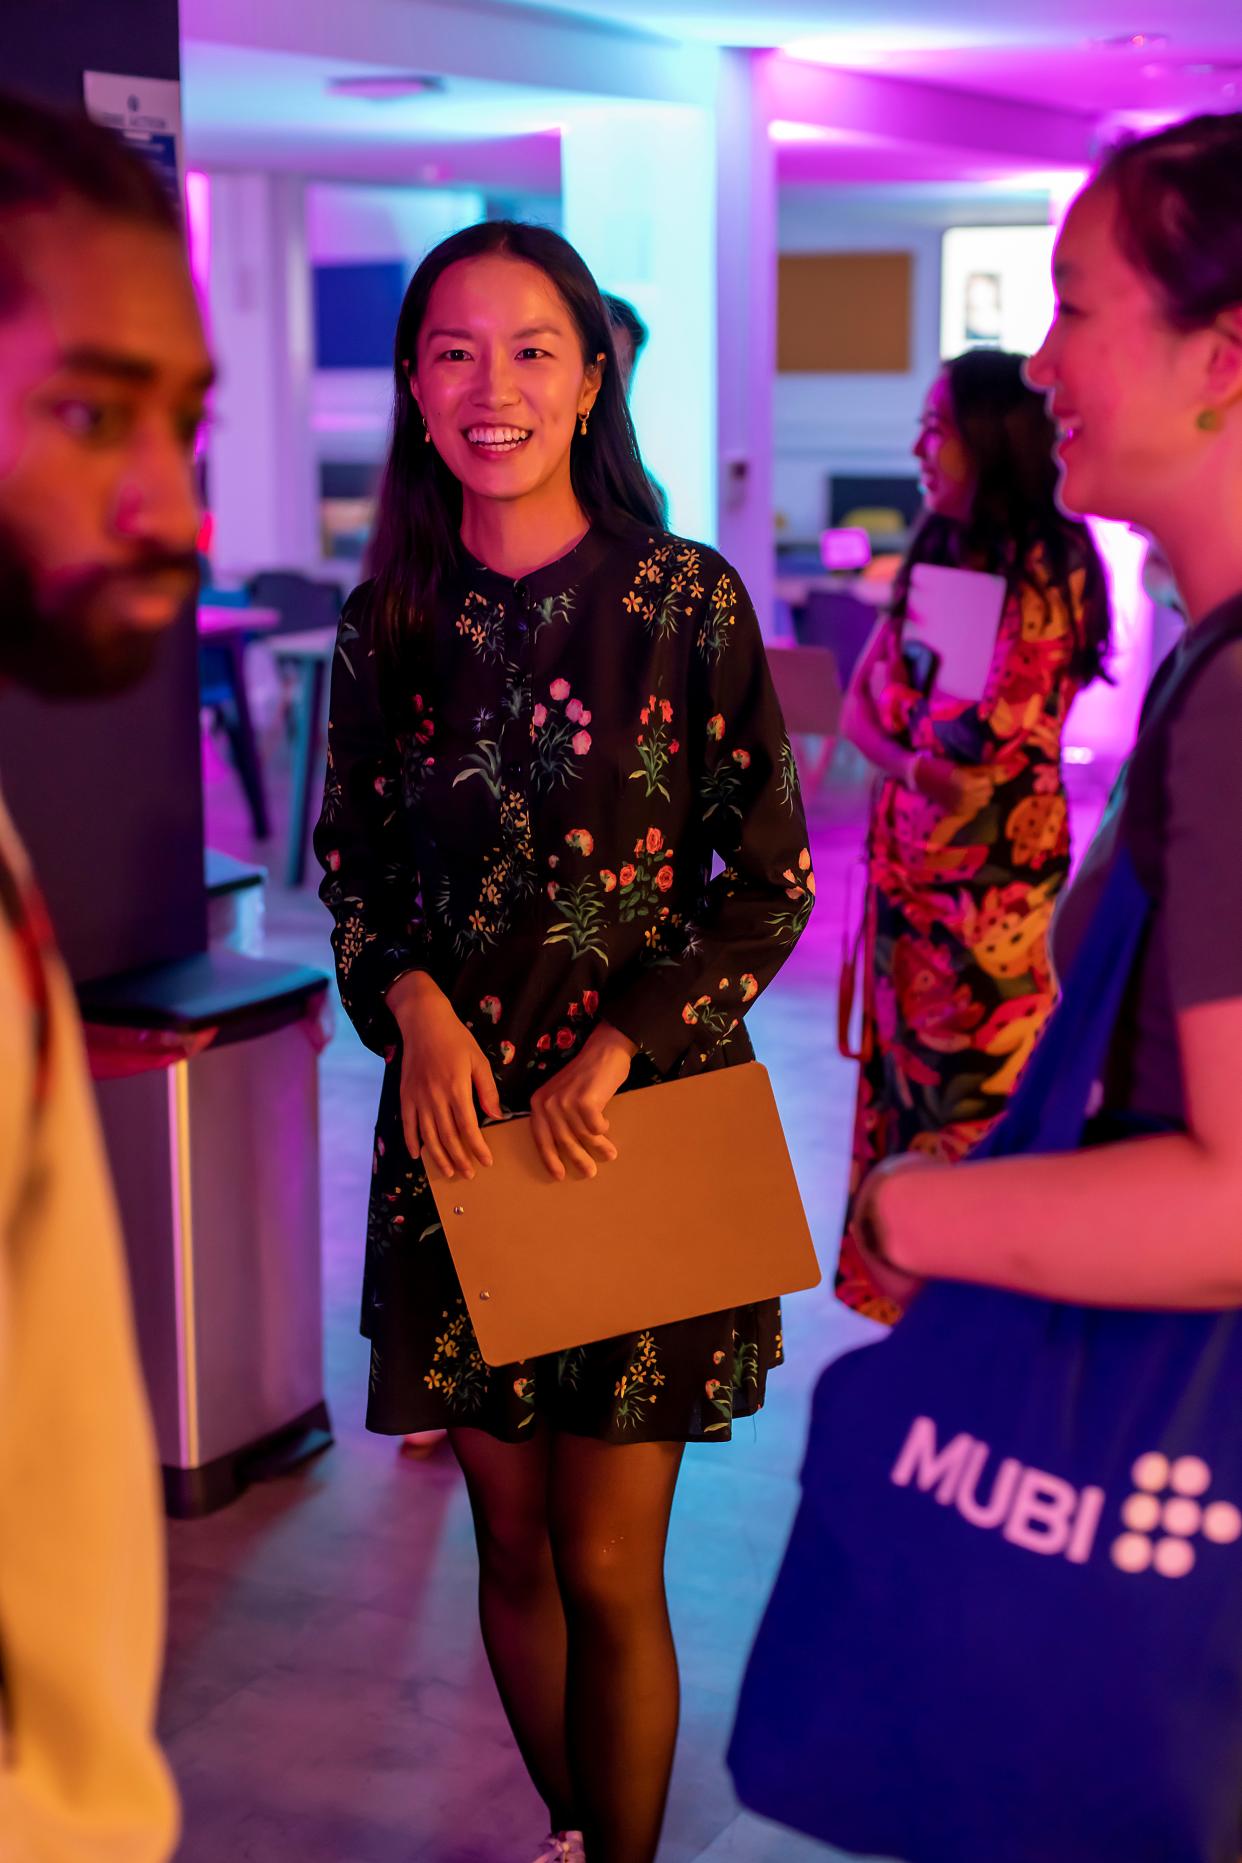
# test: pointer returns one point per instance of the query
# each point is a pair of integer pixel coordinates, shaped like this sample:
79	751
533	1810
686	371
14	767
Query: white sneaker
562	1847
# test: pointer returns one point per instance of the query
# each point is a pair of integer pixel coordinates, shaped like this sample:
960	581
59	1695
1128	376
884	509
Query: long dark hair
416	539
1009	438
1179	214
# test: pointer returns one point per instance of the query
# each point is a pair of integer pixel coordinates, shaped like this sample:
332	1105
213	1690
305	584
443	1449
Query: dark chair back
303	602
840	622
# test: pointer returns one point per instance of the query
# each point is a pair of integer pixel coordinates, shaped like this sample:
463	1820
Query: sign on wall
145	113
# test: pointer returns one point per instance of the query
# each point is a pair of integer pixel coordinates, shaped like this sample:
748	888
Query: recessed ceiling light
385	86
782	131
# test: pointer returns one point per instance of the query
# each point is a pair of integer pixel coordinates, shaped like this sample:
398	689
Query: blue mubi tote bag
1008	1624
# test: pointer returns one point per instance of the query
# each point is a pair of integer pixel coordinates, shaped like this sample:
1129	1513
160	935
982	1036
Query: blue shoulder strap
1049	1108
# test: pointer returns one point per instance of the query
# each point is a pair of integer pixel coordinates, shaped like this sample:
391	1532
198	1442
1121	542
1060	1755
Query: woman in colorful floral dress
969	837
548	717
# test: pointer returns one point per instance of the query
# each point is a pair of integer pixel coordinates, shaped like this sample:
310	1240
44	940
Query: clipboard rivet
459	1209
483	1294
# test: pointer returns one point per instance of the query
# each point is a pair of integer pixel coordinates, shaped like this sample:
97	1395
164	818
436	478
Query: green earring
1208	421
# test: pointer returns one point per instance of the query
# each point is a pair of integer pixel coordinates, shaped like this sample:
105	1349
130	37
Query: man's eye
98	421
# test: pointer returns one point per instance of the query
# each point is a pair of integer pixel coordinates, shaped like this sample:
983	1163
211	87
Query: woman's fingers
449	1136
590	1128
409	1126
468	1126
434	1152
485	1088
545	1144
567	1142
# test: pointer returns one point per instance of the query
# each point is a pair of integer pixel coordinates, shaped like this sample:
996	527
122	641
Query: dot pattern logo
1167	1512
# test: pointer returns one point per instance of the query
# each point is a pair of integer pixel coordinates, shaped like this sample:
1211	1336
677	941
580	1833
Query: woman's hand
876	1225
443	1068
885	672
942	782
567	1113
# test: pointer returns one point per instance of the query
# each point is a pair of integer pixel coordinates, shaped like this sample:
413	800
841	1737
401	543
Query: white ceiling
252	105
1047	53
245	106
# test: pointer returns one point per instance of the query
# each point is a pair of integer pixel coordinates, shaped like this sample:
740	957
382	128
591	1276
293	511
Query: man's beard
56	647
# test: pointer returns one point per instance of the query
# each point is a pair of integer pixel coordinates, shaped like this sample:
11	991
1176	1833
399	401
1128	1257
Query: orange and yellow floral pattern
959	983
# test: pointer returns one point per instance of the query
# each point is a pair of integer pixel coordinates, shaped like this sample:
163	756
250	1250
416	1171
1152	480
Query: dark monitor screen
849	491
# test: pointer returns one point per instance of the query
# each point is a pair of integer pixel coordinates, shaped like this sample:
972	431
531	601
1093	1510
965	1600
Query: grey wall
108	795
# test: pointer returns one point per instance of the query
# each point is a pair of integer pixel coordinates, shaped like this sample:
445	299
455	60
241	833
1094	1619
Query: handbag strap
1048	1110
858	959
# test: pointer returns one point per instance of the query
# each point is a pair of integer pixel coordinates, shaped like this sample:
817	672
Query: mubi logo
1043	1513
1169	1501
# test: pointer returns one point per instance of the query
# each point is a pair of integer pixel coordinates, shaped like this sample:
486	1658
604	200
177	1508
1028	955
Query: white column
639	203
746	225
262	473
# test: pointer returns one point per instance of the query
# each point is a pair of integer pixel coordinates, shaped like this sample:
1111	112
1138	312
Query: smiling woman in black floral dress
548	716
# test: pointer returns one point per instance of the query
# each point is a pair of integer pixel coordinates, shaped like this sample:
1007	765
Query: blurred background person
629	339
968	845
103	373
629	336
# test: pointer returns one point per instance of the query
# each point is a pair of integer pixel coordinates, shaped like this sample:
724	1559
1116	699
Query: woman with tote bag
1009	1622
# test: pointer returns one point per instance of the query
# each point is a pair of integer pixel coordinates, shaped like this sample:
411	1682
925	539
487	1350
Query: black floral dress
529	810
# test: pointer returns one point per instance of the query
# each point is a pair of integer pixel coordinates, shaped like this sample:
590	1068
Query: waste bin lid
224	874
209	991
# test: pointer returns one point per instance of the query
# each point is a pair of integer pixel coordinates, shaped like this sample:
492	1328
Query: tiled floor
327	1698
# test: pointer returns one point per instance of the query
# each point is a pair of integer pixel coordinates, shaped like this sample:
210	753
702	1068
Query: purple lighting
198	231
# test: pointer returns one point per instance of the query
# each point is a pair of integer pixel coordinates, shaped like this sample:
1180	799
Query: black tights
571	1536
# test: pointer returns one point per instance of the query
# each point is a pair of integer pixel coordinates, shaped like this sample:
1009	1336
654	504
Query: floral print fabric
961	902
575	801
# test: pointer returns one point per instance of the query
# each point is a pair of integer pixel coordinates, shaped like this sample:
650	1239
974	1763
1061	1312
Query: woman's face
499	376
947	478
1123	386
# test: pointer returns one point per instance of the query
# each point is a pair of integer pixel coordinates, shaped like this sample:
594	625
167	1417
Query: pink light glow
1104	720
198	230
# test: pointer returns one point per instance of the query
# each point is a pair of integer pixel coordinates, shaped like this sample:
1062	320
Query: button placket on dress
516	730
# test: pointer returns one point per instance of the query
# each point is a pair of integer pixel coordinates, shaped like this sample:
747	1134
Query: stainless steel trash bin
207	1081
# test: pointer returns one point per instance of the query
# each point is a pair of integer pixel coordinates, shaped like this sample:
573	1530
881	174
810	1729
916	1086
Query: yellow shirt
82	1580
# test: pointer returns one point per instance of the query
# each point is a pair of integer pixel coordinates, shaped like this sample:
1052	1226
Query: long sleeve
82	1585
753	912
1028	689
369	885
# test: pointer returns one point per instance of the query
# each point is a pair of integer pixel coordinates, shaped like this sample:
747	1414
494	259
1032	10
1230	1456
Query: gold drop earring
582	422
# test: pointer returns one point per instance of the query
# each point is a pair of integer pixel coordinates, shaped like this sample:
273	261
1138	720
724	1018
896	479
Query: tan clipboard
699	1212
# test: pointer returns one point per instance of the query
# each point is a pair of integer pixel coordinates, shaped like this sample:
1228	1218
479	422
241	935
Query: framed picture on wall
995	288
